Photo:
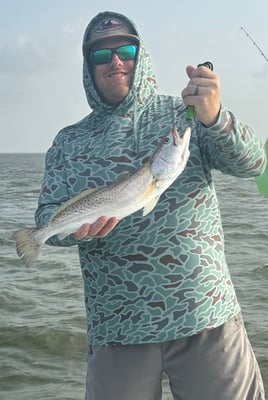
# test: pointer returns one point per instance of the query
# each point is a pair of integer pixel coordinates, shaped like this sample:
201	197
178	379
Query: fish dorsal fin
150	206
73	200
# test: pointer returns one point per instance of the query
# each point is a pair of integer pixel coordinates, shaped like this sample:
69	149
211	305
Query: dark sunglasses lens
102	56
127	52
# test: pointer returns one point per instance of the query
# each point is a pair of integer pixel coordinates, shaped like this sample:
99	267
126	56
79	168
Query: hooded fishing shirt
163	276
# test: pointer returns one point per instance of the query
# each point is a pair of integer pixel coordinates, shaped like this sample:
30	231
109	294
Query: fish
140	189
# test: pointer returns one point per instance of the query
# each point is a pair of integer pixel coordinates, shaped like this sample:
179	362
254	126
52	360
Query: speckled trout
140	189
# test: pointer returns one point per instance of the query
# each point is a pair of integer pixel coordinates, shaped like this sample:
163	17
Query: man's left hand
203	92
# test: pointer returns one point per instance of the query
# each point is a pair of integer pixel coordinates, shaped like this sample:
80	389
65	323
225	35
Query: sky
41	87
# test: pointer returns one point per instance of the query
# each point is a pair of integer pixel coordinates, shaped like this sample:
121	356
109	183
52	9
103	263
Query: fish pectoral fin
150	206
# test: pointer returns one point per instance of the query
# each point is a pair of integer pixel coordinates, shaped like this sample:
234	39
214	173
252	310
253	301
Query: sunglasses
104	56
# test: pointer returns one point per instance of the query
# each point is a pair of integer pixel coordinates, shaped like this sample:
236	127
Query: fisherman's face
114	79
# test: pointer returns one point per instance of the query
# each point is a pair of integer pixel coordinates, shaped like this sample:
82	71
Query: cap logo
108	24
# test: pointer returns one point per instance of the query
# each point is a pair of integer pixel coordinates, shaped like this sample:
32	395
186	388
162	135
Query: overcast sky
41	60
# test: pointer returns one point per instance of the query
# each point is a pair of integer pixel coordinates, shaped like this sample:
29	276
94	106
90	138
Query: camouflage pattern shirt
163	276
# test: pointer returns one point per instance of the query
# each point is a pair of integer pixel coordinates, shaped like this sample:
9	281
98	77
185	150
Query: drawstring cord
135	122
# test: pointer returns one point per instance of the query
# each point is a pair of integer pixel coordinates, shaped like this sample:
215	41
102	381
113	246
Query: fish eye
166	140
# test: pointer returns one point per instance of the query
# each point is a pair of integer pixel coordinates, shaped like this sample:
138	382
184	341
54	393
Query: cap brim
90	43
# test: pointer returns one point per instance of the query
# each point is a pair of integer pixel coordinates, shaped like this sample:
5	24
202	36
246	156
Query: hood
144	83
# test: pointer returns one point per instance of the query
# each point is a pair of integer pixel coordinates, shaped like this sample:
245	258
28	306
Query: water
42	319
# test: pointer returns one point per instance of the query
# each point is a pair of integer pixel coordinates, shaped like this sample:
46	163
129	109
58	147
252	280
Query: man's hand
203	92
102	227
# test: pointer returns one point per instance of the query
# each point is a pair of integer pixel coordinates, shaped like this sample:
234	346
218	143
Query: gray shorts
217	364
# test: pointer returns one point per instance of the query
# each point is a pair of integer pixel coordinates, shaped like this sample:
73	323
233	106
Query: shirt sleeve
232	147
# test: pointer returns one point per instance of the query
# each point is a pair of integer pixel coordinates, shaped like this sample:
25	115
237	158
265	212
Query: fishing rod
255	44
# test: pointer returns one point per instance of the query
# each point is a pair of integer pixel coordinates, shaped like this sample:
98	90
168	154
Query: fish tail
27	245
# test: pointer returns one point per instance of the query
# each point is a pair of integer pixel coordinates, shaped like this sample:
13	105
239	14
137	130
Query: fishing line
255	44
261	180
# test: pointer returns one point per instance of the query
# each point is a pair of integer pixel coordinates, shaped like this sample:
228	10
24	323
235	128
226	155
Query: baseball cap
109	24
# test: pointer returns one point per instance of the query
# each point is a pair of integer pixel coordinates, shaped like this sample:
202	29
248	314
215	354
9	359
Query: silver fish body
128	194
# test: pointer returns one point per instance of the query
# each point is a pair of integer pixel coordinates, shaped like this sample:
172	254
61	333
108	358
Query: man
158	293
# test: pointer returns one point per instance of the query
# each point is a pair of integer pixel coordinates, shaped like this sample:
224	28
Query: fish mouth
176	137
185	137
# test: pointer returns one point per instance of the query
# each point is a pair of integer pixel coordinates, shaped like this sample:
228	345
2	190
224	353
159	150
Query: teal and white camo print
163	276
